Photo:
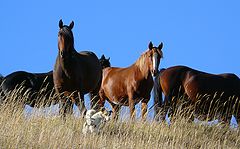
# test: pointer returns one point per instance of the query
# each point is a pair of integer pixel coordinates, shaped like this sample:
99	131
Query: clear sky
202	34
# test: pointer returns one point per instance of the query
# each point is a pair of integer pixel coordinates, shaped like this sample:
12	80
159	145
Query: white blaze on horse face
155	63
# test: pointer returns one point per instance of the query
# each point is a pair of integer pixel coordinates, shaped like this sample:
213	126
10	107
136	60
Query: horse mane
141	60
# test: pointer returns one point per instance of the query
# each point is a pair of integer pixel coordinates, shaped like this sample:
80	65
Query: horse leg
80	103
159	111
167	106
132	107
65	104
116	111
144	109
158	102
95	97
102	98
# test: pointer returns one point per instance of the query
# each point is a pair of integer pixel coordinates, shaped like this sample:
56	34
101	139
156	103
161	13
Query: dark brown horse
128	86
75	74
211	95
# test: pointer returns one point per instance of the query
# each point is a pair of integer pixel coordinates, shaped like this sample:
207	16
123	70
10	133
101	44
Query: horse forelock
68	32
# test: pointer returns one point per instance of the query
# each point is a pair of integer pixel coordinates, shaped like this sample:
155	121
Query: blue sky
201	34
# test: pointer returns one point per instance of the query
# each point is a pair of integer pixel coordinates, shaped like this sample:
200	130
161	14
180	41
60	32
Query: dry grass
19	131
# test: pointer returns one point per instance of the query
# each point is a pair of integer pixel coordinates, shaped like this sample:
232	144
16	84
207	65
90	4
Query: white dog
95	120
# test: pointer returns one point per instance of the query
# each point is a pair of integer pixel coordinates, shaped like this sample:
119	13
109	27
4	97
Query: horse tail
157	95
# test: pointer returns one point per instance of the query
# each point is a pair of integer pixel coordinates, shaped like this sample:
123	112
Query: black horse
32	83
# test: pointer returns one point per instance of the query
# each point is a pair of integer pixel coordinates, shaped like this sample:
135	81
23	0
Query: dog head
105	113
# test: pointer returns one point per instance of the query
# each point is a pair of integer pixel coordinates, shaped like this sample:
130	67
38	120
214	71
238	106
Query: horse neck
44	78
140	64
65	64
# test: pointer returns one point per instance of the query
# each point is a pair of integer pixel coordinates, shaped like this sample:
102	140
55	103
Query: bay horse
211	94
35	83
31	82
75	74
130	85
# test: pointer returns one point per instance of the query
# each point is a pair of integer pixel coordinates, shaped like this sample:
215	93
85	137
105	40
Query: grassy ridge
17	131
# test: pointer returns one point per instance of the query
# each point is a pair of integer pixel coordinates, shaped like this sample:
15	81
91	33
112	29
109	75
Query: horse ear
60	23
103	56
71	25
108	59
150	46
160	46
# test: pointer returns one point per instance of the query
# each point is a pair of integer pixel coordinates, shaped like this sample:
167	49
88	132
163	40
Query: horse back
211	84
172	79
15	79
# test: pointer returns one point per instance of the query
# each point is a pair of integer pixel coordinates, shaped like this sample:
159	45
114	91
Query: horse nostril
62	54
154	72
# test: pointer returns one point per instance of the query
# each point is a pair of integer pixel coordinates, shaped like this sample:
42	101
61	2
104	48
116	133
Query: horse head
105	62
65	39
154	54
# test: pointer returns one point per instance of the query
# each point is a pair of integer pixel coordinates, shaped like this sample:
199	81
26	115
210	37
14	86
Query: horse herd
78	73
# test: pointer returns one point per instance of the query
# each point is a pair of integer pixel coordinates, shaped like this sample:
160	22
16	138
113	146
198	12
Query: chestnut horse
75	74
128	86
211	95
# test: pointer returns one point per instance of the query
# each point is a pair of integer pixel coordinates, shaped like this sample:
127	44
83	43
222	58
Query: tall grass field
18	130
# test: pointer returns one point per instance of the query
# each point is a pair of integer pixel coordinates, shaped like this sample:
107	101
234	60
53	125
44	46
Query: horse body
80	71
75	74
138	86
128	86
32	82
210	91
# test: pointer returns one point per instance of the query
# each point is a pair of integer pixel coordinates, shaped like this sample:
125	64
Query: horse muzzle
155	72
62	54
